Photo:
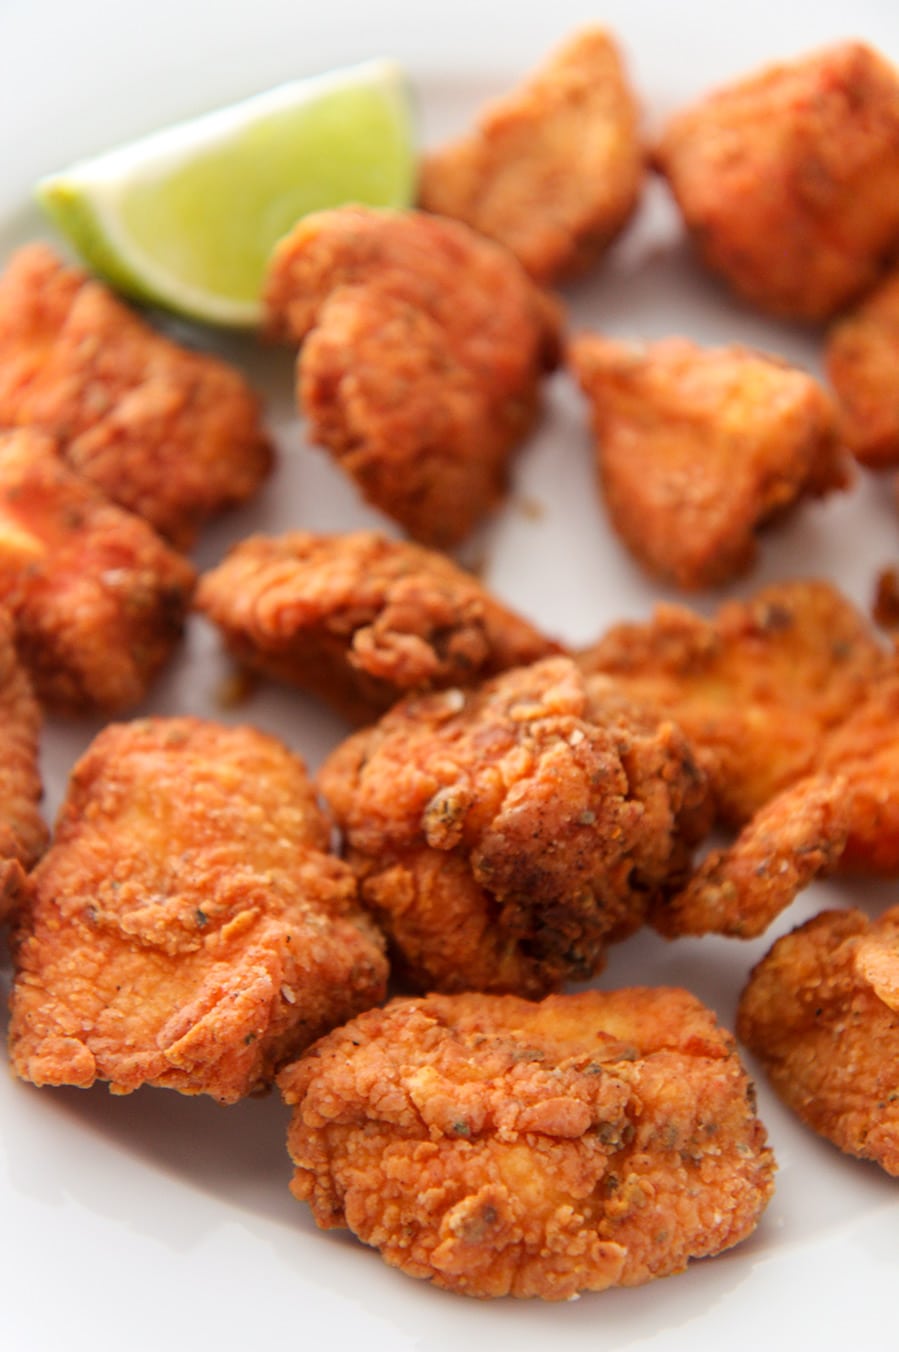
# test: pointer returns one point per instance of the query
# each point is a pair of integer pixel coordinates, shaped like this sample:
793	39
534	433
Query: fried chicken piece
361	620
98	599
788	180
756	690
172	435
821	1013
503	836
23	834
697	449
187	927
798	836
554	169
864	751
862	354
423	349
498	1147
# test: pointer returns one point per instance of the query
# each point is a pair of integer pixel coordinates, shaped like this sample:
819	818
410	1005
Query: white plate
157	1221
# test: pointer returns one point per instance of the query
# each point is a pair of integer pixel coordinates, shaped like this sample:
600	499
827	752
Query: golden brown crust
98	599
170	434
789	180
502	836
799	835
553	170
821	1013
498	1147
187	927
697	448
361	620
23	834
423	349
862	354
757	689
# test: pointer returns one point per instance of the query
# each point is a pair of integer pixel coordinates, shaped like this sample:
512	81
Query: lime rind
186	217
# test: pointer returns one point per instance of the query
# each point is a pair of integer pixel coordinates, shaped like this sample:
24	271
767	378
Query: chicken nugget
23	834
361	620
698	448
502	836
863	750
98	599
788	180
554	169
498	1147
798	836
187	927
862	355
423	349
172	435
821	1013
756	689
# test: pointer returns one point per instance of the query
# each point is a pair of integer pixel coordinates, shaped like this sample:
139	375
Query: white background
159	1222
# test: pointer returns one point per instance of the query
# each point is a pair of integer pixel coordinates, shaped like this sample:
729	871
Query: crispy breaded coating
170	434
756	689
554	169
497	1147
423	349
864	751
788	180
698	448
23	834
862	354
821	1013
97	598
187	927
502	836
799	835
361	620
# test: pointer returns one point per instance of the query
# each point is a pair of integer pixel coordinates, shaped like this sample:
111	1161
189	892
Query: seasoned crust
800	835
187	927
698	448
821	1013
861	356
361	620
788	180
502	836
553	170
97	598
173	435
423	349
757	688
23	834
498	1147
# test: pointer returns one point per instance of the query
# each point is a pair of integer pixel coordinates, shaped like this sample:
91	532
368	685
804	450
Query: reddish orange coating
553	170
423	349
502	836
862	355
698	448
756	689
821	1013
788	180
497	1147
799	835
23	834
98	599
361	620
187	927
170	434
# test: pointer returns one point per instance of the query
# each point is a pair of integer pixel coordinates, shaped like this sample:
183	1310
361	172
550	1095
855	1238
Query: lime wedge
186	218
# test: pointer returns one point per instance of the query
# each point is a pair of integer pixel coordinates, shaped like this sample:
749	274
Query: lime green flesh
195	232
215	221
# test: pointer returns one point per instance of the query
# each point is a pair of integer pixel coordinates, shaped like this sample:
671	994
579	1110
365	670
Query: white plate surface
160	1222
